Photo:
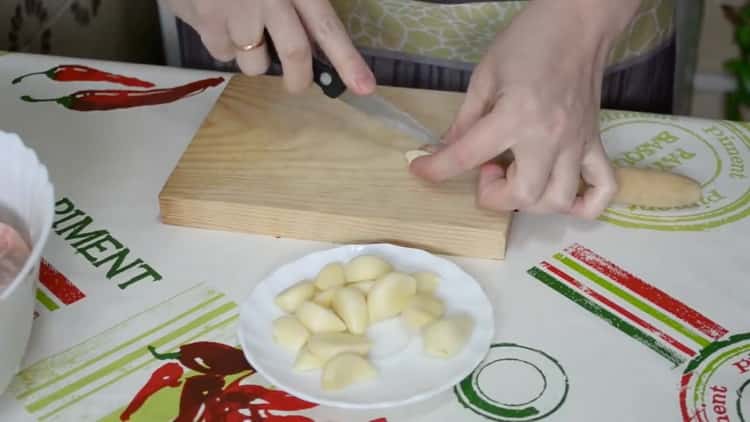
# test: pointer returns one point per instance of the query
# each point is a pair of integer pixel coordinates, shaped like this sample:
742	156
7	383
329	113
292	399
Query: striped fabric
636	308
92	377
54	289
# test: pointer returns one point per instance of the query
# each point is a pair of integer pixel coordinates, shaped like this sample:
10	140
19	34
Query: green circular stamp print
513	384
715	385
715	153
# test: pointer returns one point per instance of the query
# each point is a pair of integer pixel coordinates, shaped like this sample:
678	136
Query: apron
435	44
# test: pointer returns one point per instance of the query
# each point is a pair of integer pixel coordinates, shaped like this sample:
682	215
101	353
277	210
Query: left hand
537	93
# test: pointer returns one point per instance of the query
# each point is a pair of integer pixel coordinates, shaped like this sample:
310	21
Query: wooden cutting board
309	167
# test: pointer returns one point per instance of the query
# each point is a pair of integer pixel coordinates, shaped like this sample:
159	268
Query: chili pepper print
255	401
167	375
227	407
208	358
78	73
281	400
198	390
112	99
287	418
270	399
238	400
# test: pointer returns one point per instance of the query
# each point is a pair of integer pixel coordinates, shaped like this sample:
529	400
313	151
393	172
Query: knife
373	105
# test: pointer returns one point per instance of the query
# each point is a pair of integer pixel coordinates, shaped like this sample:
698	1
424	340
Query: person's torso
456	33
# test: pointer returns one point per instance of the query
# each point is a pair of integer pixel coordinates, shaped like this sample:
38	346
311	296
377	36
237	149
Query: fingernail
414	154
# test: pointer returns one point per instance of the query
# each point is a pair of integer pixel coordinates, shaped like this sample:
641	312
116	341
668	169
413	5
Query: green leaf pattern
463	32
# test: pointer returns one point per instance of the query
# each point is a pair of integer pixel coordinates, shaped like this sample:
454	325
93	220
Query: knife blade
373	105
378	107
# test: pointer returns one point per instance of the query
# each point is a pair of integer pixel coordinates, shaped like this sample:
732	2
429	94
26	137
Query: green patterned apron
460	33
435	44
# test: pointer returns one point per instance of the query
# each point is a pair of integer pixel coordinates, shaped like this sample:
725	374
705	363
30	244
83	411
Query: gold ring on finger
250	47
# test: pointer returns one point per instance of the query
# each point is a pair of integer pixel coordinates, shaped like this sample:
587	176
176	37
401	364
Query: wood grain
308	167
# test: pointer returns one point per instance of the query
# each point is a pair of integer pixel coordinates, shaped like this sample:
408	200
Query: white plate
405	374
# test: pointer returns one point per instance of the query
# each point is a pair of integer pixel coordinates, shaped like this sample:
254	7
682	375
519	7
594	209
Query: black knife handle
324	75
327	78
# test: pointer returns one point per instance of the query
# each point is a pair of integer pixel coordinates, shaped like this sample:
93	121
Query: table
642	315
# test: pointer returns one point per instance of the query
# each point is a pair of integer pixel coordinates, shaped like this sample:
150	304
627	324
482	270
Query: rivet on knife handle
328	79
324	75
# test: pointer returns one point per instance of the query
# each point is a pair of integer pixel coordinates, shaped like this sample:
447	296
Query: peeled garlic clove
324	298
364	286
428	302
328	345
427	282
290	299
366	267
330	276
318	319
414	154
417	318
346	369
307	361
389	295
421	310
289	333
446	337
350	304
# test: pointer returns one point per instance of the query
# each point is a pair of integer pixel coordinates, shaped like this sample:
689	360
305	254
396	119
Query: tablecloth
641	315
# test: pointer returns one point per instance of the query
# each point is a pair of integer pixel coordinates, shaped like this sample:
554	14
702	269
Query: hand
294	25
536	93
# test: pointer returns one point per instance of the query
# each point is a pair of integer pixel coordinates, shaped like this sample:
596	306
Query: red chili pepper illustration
287	418
258	401
198	389
78	73
205	398
226	407
167	375
270	399
111	99
208	358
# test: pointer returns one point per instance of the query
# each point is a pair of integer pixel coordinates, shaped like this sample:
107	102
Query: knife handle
324	75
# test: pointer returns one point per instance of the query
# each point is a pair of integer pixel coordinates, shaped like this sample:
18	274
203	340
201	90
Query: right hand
294	25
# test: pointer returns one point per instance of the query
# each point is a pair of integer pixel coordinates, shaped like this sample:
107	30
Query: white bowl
405	374
27	199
